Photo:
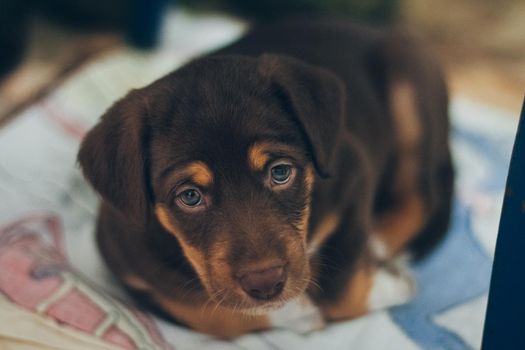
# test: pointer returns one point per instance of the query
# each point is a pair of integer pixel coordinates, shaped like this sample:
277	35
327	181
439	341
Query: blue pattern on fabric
459	269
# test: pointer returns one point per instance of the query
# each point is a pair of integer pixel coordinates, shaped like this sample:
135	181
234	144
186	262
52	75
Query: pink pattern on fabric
35	275
77	310
117	337
16	281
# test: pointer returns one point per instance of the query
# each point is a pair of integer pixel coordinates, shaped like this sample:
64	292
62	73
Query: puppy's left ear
316	98
112	156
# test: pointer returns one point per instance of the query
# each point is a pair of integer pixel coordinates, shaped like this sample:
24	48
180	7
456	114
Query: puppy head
223	153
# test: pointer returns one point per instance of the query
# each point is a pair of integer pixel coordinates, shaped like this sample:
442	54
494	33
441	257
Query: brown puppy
271	168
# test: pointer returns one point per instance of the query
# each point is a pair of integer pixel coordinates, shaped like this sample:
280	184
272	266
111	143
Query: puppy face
226	151
240	221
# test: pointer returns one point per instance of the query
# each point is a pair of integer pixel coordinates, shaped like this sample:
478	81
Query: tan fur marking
258	156
309	180
219	254
404	108
397	227
136	283
200	174
164	218
354	301
325	228
214	319
194	255
408	135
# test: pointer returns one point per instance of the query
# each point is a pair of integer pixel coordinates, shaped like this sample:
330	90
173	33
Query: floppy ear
112	156
315	97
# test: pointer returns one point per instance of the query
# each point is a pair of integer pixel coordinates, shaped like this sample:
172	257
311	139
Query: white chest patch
300	315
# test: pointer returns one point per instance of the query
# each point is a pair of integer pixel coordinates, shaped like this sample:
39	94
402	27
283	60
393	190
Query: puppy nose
264	284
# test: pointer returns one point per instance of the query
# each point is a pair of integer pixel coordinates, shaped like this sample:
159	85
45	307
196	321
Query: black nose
264	284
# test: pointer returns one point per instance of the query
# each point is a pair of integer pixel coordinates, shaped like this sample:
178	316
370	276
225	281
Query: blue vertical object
145	22
505	319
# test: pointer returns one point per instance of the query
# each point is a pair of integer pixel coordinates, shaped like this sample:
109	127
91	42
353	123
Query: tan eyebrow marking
260	152
200	173
258	155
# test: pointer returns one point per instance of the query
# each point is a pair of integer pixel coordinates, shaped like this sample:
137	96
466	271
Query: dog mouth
261	292
250	306
263	308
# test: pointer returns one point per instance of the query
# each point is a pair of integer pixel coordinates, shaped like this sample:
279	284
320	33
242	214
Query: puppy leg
353	301
374	283
405	217
370	288
392	285
415	208
395	228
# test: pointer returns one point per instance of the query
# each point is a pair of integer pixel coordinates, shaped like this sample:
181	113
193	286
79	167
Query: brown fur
364	139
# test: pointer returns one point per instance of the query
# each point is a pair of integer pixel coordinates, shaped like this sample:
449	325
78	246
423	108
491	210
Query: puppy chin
256	308
244	304
263	309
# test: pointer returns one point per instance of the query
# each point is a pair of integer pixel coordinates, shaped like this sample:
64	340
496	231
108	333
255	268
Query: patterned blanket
52	277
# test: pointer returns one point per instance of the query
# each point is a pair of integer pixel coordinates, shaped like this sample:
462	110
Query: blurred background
481	43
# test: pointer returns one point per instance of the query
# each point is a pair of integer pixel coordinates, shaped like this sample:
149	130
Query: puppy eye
281	173
190	197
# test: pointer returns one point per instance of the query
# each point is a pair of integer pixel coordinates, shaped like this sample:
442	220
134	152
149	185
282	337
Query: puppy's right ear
112	156
316	98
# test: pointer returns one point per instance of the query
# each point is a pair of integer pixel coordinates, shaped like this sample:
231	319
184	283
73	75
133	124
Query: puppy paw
392	285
